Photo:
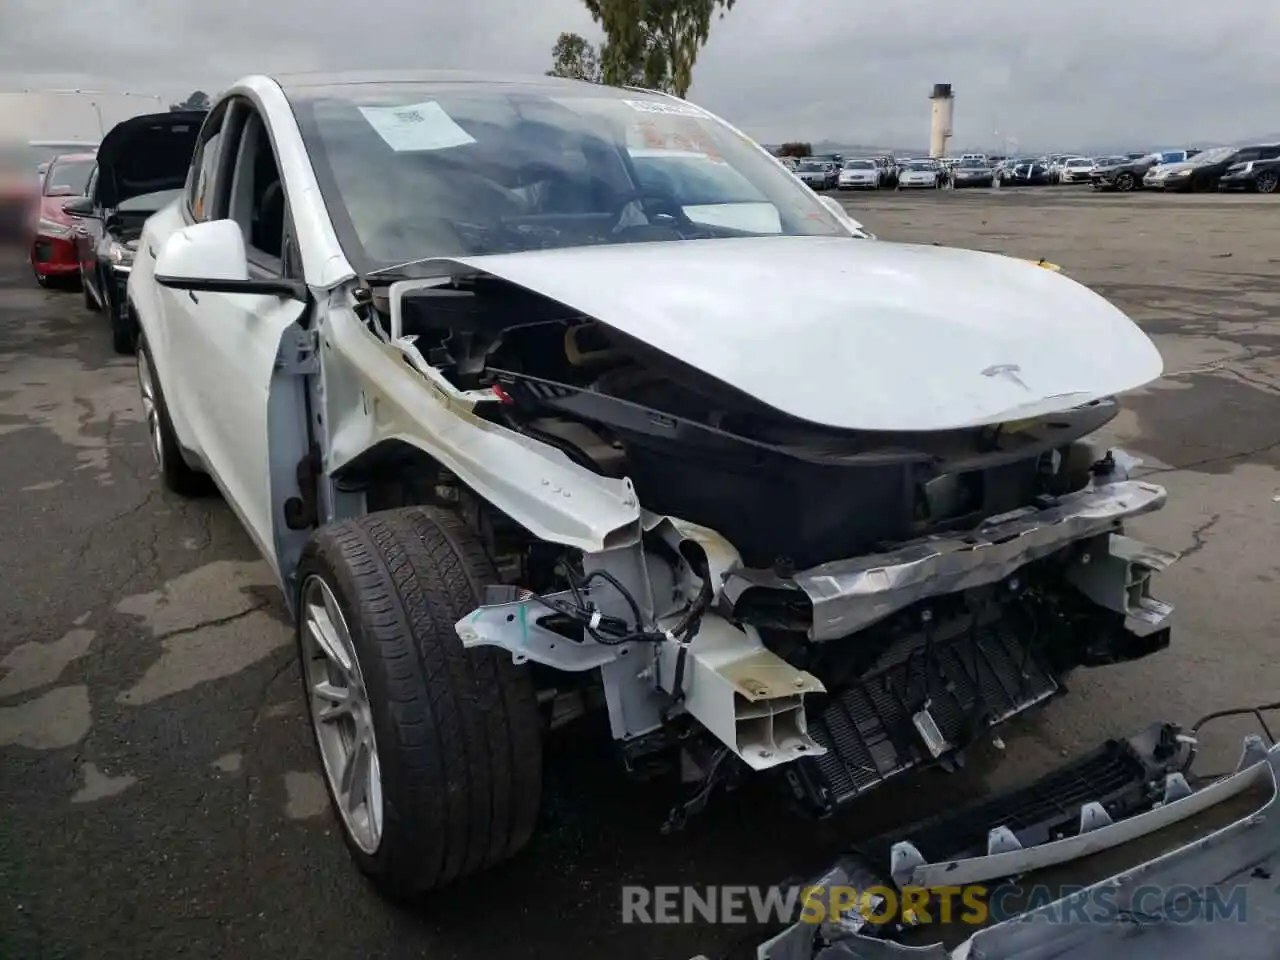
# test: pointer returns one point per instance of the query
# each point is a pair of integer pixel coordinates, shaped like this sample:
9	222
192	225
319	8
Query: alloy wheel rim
150	409
341	717
1267	183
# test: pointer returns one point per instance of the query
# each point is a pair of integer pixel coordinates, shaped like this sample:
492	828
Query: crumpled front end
852	671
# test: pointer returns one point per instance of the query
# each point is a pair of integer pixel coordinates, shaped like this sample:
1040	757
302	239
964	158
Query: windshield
418	171
42	153
921	166
972	164
859	165
1079	162
1215	155
813	166
68	178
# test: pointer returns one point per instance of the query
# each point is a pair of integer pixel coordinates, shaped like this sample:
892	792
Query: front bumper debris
849	595
1160	909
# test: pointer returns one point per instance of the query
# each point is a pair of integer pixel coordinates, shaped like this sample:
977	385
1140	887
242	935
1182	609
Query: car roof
305	81
78	144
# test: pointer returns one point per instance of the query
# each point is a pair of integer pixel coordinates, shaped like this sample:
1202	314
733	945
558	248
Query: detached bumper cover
1161	909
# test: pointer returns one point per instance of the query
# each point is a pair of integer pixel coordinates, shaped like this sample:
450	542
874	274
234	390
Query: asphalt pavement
158	787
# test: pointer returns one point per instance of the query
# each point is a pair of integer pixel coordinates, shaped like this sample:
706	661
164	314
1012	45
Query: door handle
192	295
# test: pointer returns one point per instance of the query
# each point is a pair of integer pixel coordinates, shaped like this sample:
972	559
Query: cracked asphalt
157	779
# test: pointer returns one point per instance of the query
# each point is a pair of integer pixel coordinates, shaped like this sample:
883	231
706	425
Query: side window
204	164
91	188
257	200
1269	153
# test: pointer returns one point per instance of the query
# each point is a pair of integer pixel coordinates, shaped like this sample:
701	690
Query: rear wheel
174	472
431	752
1267	181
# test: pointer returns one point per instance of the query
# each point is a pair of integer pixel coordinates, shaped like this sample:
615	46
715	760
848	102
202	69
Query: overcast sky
1056	75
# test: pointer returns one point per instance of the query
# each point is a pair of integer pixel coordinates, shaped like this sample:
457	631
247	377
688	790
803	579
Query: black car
1121	173
1205	170
1262	176
1027	173
142	166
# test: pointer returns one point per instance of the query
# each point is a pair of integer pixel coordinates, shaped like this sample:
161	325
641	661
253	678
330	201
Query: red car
53	243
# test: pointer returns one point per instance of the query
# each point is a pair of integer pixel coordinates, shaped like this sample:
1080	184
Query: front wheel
1125	182
1267	182
431	751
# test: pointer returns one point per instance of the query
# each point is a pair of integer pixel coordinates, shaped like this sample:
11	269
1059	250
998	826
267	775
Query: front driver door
233	339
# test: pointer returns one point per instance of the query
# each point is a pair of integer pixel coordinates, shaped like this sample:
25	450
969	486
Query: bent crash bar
849	595
1106	921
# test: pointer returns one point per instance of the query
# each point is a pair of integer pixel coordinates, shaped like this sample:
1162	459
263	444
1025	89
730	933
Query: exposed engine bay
847	604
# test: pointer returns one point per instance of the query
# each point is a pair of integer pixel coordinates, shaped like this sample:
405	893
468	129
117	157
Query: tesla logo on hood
1007	370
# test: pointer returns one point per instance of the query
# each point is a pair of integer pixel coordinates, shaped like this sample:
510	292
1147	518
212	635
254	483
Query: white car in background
917	174
859	175
1076	170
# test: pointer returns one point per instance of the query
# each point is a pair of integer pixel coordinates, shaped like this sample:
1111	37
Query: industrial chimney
942	101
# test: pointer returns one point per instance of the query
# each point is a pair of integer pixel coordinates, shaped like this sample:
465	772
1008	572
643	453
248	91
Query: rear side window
203	166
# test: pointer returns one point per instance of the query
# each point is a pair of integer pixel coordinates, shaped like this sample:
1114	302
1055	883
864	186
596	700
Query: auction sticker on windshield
416	126
671	109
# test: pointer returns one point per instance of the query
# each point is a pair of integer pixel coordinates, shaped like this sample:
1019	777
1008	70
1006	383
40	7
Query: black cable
1255	712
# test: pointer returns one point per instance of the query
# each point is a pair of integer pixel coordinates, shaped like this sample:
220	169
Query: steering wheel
669	207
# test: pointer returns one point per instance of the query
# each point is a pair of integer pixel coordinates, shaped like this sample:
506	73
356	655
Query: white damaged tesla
550	403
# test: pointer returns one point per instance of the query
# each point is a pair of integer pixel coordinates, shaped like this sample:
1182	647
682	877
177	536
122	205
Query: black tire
458	730
1266	182
1125	182
41	280
124	329
175	474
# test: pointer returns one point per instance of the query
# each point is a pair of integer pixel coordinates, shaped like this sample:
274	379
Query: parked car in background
1076	170
53	244
888	171
1026	173
1261	176
141	168
916	174
973	172
1120	173
859	175
818	174
1172	156
1204	170
41	152
790	163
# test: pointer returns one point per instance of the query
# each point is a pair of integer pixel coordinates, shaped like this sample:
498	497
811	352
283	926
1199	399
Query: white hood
854	334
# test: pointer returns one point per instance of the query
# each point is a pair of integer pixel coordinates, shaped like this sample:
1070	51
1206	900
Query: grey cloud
1075	72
